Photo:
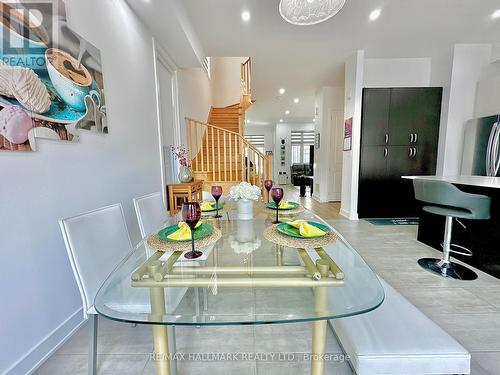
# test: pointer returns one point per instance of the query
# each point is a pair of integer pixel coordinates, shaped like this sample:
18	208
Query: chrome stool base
447	269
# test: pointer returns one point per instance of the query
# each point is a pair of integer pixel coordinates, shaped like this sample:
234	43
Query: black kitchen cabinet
376	114
399	136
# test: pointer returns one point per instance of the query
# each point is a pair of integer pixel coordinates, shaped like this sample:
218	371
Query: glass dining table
245	277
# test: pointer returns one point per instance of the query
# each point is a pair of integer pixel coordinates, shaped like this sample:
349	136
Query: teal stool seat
447	200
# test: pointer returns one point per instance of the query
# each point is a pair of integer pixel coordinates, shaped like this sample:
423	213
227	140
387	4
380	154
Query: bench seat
398	339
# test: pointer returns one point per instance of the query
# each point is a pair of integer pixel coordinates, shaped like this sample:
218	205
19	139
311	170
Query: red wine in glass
277	195
191	213
216	193
268	184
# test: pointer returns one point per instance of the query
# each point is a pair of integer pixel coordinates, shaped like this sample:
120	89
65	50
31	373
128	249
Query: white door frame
160	56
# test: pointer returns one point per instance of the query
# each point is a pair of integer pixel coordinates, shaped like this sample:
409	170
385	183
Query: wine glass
216	193
268	184
191	213
277	195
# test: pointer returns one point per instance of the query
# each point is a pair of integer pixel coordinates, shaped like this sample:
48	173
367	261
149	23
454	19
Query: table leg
160	336
279	255
319	326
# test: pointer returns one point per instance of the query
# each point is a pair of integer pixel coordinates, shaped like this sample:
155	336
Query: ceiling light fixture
281	120
314	120
496	14
282	91
375	14
296	100
287	112
310	12
245	16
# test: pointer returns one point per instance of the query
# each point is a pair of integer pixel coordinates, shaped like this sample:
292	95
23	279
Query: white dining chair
151	213
96	241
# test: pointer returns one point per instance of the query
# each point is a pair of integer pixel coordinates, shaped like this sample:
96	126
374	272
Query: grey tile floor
469	311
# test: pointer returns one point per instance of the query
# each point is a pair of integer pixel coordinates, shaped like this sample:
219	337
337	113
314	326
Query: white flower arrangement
244	191
244	247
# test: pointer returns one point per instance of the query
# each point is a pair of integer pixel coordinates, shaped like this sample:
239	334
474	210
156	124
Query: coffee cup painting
51	83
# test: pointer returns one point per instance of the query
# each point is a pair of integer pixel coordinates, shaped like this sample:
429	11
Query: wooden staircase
226	118
223	157
219	153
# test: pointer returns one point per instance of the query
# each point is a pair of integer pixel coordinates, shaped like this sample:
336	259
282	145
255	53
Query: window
257	140
296	154
301	140
206	66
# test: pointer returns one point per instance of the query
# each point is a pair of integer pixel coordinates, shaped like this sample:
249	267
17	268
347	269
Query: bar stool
449	201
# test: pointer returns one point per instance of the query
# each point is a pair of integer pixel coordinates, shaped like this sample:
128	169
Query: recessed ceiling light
281	120
282	91
248	121
310	1
496	14
296	100
245	16
314	120
375	14
287	112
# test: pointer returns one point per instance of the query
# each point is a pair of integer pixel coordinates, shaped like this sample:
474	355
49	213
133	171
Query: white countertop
481	181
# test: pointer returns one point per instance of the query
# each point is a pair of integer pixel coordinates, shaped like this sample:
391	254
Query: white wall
354	68
40	298
195	96
329	124
469	61
266	130
408	72
488	91
284	130
226	75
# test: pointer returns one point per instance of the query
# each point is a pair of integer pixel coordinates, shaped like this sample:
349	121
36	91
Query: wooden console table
182	192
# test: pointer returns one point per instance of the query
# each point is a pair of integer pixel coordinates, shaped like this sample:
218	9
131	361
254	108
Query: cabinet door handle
414	151
385	152
415	139
411	138
386	138
410	152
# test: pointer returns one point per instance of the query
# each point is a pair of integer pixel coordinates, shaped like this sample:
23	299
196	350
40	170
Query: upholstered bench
398	339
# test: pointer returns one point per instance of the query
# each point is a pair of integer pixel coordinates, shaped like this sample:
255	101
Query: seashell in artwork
25	86
15	124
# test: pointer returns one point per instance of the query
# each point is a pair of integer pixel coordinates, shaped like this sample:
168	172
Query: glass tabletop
244	279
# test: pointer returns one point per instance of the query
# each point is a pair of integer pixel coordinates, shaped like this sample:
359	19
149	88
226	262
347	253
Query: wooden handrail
211	147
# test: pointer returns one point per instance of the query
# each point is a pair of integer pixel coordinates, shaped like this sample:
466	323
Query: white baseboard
348	215
37	355
317	198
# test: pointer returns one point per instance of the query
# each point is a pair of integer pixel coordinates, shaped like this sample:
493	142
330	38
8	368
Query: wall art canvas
50	73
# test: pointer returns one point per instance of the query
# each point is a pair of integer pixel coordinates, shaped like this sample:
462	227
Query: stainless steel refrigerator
481	155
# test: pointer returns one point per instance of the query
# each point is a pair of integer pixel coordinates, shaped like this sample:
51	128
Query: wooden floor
469	311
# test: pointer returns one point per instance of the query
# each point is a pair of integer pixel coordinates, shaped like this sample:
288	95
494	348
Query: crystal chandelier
309	12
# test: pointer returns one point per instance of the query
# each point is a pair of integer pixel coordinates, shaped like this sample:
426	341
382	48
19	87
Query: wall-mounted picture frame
348	134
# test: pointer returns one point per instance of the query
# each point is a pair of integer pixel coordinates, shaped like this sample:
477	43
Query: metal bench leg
93	323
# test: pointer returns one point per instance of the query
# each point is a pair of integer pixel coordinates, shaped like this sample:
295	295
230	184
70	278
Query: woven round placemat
272	235
295	211
156	244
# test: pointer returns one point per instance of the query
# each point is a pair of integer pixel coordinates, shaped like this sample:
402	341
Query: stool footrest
462	250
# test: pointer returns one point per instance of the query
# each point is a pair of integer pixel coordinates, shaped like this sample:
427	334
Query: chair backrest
151	212
443	193
96	241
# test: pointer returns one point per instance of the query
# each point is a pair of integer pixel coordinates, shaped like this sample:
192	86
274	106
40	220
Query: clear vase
185	174
245	209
